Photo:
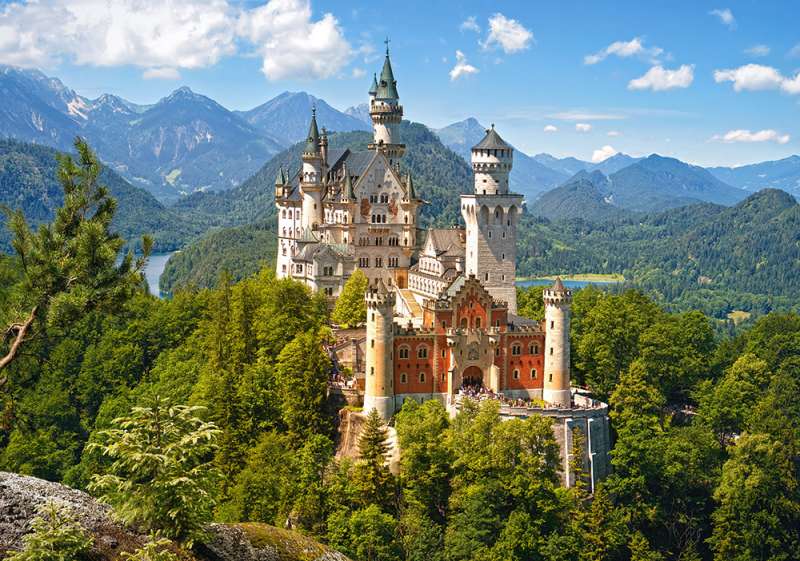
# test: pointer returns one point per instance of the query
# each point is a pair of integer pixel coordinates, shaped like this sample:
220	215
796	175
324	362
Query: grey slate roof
491	141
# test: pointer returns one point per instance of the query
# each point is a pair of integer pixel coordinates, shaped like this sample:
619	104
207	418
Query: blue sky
710	83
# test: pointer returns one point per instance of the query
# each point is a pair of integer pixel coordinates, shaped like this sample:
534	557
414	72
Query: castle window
490	234
552	324
551	351
283	268
403	352
497	351
283	213
486	277
463	323
371	370
379	262
384	198
533	349
497	323
516	349
403	378
363	262
444	353
421	377
379	240
550	377
477	323
372	343
373	198
516	374
393	262
533	373
444	324
422	352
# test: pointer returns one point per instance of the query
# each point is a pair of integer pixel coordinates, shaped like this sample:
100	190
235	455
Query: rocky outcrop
21	496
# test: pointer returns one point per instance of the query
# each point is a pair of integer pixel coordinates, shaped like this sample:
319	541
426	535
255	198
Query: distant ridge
286	116
778	174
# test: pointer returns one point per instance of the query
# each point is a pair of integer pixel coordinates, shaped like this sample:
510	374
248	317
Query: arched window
403	352
533	373
516	349
516	374
533	349
463	323
422	352
403	378
477	323
421	377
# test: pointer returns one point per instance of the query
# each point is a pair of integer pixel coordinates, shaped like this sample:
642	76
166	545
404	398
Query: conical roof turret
410	185
491	141
558	286
312	141
280	178
373	89
387	86
348	185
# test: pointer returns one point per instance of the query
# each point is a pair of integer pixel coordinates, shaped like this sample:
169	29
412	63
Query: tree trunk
18	331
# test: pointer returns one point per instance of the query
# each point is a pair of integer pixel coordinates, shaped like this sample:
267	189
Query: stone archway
472	375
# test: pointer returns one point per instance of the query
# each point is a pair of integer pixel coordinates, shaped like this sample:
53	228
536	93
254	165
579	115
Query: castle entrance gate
472	376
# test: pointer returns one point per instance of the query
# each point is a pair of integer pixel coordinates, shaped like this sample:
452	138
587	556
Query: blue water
567	283
153	269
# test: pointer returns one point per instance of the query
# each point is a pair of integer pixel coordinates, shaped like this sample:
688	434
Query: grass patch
738	316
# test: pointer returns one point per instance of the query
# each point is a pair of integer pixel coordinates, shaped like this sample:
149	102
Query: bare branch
21	330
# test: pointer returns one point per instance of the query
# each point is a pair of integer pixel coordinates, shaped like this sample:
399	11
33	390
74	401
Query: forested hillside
239	251
29	182
708	256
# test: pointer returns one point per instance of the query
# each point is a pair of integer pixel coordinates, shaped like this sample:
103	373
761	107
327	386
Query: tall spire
387	86
312	142
373	89
348	185
410	184
279	179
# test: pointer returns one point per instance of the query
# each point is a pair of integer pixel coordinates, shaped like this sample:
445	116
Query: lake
568	283
154	268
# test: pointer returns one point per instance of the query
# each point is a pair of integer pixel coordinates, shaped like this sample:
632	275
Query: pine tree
372	475
55	536
69	267
161	475
351	309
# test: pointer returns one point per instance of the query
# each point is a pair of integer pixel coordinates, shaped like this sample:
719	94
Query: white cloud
659	79
758	77
550	128
757	50
794	52
161	73
624	49
742	135
291	43
614	133
462	67
509	34
168	33
602	154
725	16
470	24
583	127
358	73
174	34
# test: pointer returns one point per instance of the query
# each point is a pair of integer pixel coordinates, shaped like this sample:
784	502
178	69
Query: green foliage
154	550
69	266
530	302
706	257
55	536
241	251
161	476
351	308
758	515
371	476
29	182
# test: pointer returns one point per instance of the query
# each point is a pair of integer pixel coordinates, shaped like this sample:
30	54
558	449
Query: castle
441	314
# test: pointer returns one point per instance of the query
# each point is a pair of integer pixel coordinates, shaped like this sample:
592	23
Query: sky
709	83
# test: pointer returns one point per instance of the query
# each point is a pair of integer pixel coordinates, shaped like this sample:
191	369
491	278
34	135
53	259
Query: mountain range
185	142
649	184
778	174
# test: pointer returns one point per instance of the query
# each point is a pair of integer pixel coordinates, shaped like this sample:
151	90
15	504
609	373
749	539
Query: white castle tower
386	113
378	386
491	215
557	301
311	177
